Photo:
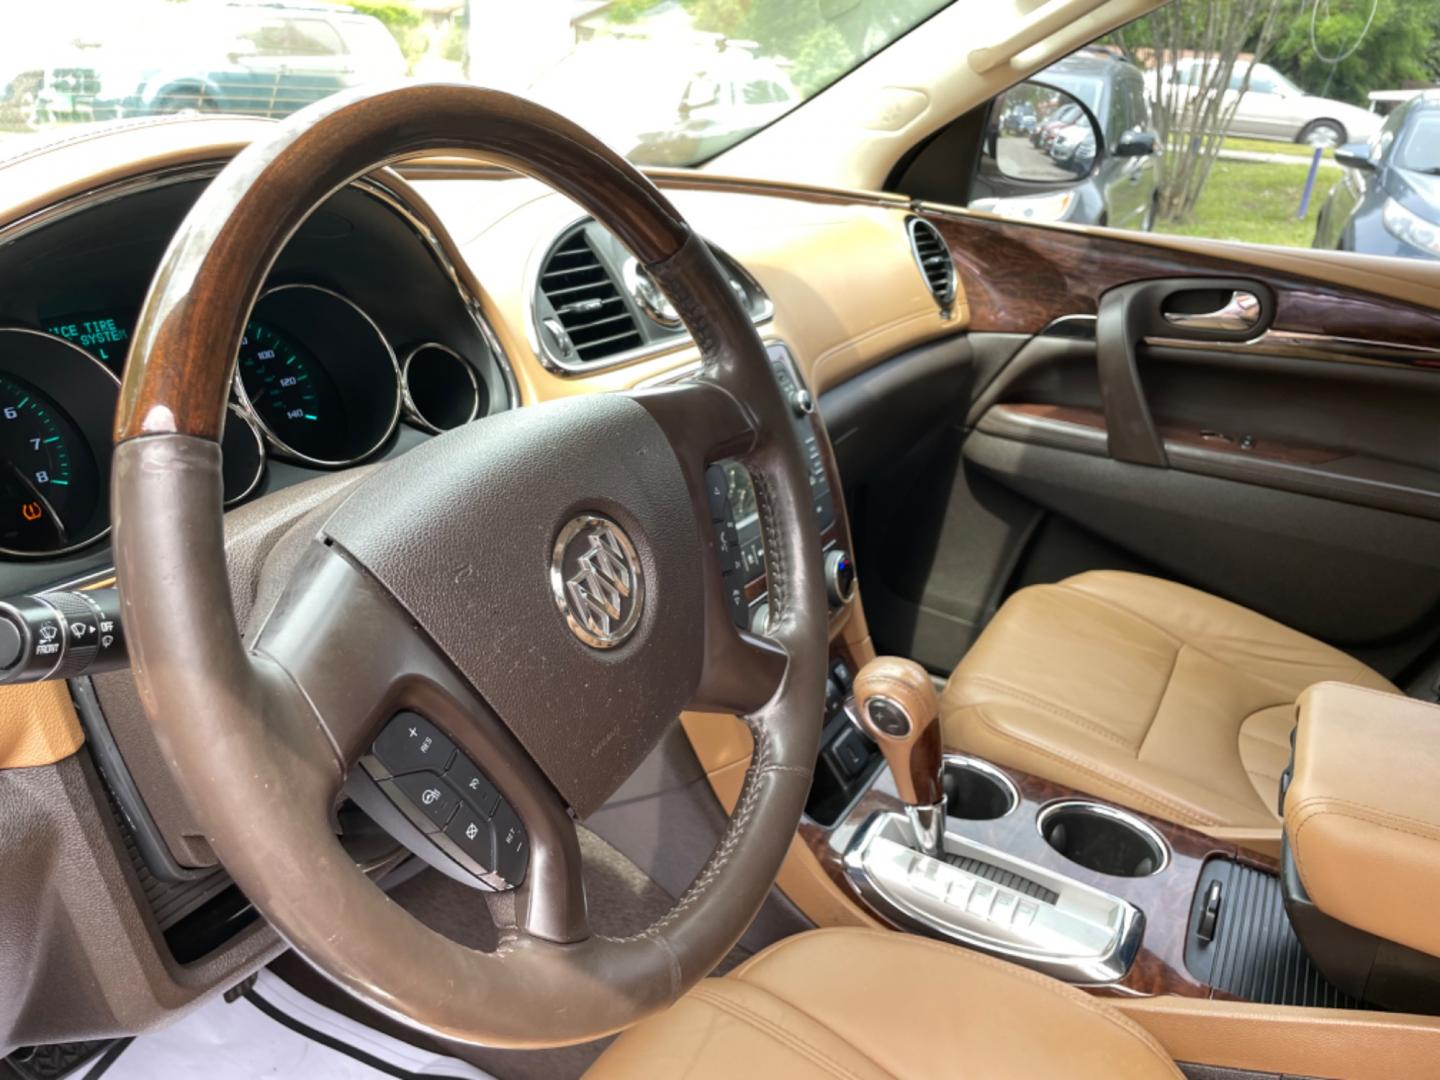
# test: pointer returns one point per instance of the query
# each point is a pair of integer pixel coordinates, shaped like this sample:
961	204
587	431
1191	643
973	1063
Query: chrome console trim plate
1084	936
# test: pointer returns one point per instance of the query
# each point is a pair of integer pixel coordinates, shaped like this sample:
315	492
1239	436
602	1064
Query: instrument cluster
317	383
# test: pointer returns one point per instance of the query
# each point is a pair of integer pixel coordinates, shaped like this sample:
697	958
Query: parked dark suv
1120	192
1388	200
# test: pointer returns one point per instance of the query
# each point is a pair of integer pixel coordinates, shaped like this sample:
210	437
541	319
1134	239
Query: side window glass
269	38
313	37
1140	111
1261	83
757	93
1197	159
1117	122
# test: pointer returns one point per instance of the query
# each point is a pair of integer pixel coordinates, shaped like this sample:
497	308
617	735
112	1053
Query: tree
1401	47
629	11
401	19
1189	103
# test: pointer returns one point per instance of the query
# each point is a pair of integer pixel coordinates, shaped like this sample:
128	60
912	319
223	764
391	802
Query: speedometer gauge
290	390
56	404
317	376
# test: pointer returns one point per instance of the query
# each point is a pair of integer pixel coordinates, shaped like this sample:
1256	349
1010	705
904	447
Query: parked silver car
1270	107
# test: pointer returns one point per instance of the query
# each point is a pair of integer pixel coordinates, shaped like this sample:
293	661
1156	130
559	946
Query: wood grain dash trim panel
1058	417
1020	277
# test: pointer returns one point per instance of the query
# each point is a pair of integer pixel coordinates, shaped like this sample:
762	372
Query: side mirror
1040	134
1355	156
1136	144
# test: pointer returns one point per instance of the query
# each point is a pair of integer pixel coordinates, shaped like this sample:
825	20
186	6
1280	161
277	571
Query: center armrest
1362	813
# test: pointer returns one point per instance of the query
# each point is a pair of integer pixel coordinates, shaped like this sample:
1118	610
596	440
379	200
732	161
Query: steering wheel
542	586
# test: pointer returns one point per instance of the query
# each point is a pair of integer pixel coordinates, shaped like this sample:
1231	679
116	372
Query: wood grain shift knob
899	709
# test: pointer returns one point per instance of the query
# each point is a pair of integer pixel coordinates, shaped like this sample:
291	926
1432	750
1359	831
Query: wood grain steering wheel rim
261	732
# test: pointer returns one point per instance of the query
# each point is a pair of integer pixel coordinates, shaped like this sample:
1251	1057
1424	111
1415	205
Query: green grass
1255	202
1265	146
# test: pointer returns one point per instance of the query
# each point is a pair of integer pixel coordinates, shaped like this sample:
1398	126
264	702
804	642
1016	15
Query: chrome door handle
1240	312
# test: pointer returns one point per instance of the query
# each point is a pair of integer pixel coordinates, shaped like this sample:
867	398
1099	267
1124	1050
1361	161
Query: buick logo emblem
597	581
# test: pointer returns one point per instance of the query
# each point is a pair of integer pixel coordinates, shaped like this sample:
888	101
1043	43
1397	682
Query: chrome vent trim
657	339
933	258
592	320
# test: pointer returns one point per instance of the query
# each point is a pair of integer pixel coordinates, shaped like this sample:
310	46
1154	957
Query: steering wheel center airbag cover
464	532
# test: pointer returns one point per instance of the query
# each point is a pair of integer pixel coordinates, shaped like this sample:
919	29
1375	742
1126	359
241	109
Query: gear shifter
896	705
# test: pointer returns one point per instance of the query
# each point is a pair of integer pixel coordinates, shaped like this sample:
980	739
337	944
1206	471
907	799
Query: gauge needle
56	521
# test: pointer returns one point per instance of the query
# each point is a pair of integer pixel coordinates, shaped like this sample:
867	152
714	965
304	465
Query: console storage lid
1362	813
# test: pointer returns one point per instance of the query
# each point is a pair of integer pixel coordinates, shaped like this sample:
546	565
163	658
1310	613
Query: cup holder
1103	838
977	791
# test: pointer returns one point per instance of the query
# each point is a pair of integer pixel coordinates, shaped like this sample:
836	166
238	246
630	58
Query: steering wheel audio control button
512	846
727	548
717	494
436	799
473	836
410	743
472	785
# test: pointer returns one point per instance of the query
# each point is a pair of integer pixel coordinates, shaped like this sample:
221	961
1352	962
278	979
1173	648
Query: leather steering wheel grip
251	750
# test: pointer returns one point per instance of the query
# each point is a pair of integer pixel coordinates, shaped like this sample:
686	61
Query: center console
1038	874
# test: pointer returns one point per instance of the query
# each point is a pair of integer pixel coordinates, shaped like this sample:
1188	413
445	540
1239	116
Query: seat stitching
1005	968
1257	676
1061	711
1325	804
1164	693
1283	742
768	1027
1258	775
1193	816
1309	810
1362	669
1118	607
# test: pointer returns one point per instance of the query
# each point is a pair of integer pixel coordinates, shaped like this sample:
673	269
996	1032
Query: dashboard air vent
933	258
595	319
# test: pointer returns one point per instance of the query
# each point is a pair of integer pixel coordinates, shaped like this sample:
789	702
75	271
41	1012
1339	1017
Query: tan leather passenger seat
1144	693
874	1005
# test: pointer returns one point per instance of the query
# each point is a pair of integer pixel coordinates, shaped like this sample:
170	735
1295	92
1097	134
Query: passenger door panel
1284	457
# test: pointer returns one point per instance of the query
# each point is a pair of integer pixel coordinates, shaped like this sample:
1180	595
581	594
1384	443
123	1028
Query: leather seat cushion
871	1005
1143	692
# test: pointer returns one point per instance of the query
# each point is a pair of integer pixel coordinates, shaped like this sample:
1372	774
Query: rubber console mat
1254	954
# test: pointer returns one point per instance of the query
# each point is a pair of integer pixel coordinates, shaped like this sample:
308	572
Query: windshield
668	82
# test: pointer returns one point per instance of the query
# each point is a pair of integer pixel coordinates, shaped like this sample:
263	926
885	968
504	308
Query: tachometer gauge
47	470
317	376
56	404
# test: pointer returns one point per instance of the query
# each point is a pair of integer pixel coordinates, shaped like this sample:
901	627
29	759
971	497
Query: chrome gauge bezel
243	417
413	412
102	454
280	445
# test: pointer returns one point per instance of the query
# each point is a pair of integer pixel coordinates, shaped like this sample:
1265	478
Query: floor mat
273	1031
